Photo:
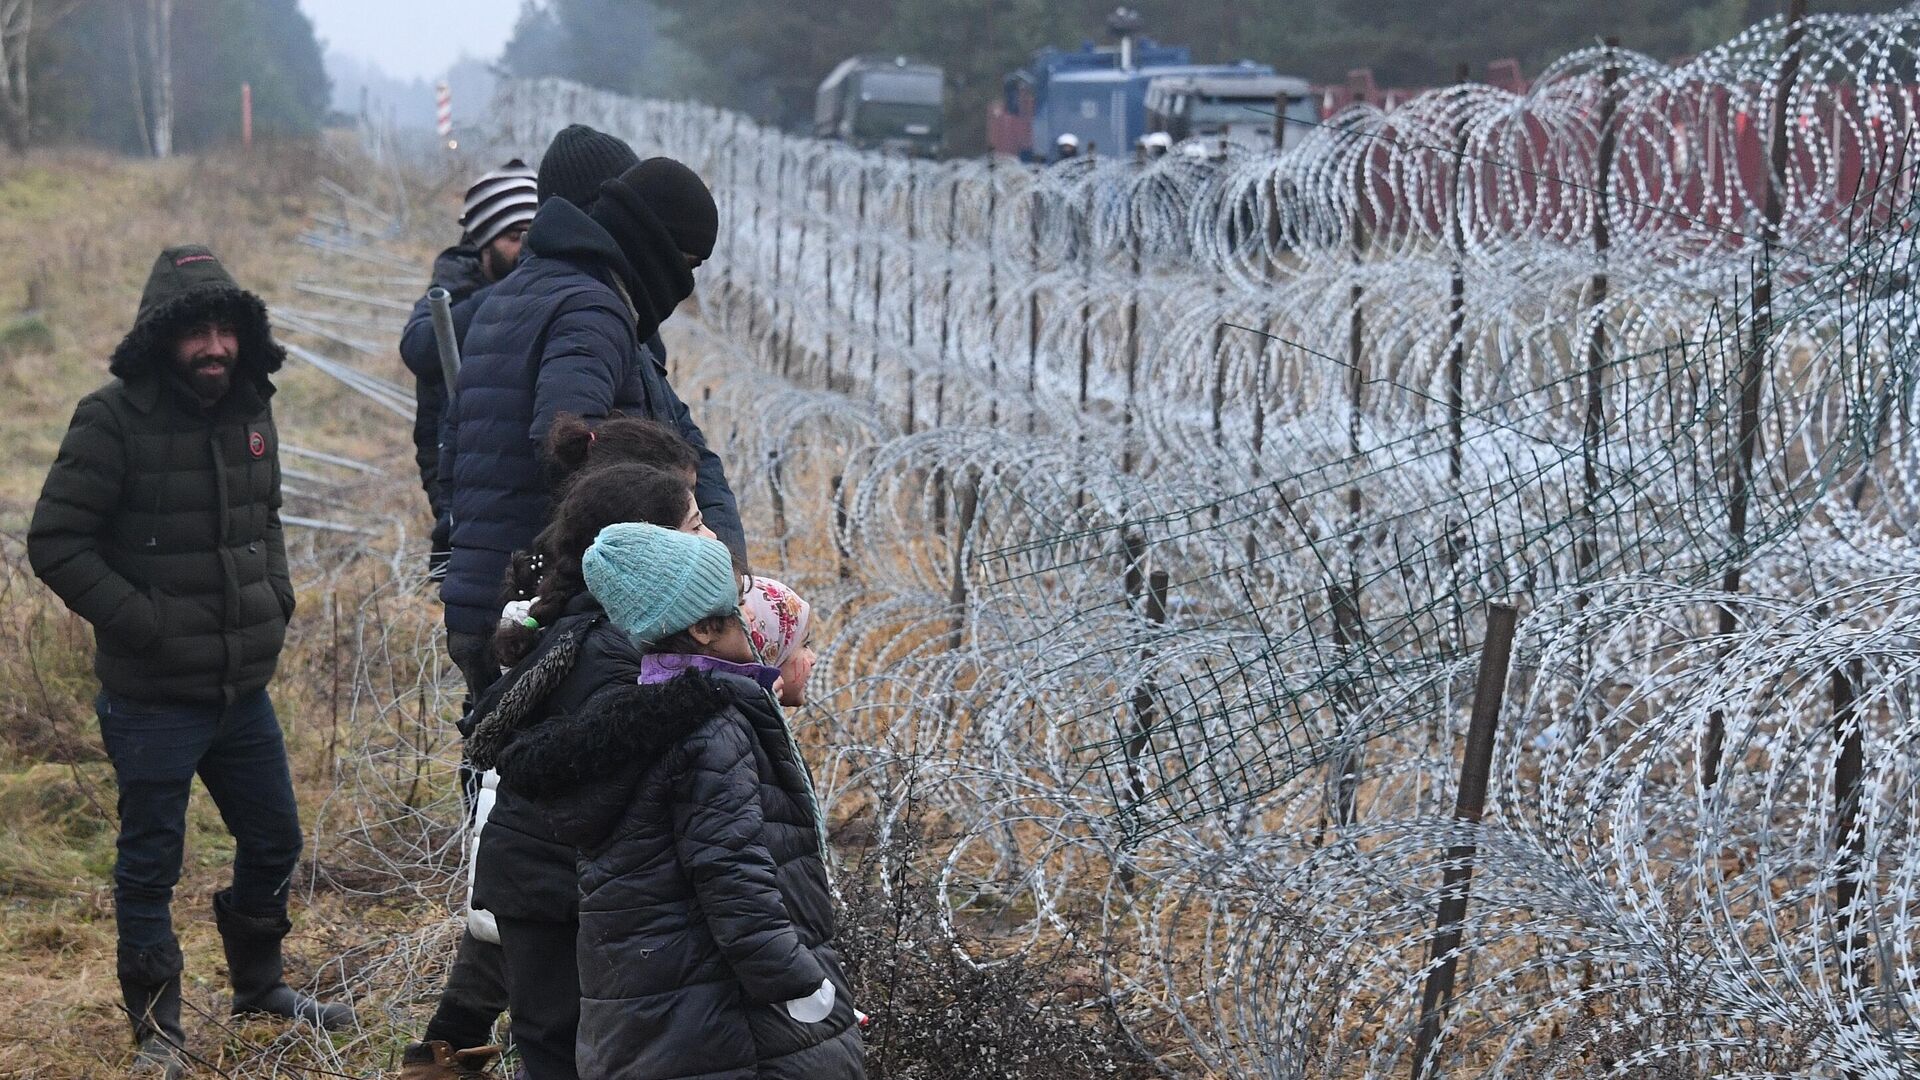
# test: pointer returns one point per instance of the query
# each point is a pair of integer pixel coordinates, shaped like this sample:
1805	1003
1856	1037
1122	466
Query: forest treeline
148	76
154	76
766	56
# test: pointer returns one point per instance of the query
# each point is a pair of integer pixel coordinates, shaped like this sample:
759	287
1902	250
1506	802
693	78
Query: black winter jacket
703	898
554	336
456	270
523	870
160	520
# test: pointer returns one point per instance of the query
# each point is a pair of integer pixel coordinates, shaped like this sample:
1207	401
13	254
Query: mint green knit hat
656	582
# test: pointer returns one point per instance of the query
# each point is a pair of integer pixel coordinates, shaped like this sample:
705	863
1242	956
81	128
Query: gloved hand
439	547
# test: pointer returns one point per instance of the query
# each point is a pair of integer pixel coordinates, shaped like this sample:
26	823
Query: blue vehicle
1095	98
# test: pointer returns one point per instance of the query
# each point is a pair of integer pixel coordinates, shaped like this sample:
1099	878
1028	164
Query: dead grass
86	228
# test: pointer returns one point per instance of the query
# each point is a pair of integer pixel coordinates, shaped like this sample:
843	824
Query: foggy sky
413	38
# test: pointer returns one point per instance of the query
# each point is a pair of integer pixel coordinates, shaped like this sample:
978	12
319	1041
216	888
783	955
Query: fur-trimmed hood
521	694
187	286
582	770
620	728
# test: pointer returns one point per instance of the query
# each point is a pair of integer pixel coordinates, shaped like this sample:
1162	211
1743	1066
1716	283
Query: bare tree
16	23
17	28
160	65
136	78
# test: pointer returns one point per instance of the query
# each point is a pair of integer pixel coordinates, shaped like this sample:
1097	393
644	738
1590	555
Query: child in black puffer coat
524	877
705	917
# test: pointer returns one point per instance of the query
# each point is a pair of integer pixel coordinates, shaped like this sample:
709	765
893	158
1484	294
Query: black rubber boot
252	944
150	990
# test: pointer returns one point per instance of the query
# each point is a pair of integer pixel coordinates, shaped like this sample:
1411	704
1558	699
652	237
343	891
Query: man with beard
160	525
495	215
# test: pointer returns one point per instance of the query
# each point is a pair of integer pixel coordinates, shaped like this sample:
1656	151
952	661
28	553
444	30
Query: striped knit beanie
498	201
656	582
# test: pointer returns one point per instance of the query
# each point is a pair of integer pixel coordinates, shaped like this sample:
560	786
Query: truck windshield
887	119
901	87
1249	110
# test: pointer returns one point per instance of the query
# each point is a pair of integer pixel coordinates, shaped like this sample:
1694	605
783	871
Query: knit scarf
651	268
664	667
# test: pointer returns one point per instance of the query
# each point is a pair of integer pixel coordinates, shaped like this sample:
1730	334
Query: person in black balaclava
564	333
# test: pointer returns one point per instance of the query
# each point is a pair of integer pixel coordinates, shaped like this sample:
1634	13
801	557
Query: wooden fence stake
1753	367
1849	840
1469	807
842	555
1145	695
969	499
1346	639
779	501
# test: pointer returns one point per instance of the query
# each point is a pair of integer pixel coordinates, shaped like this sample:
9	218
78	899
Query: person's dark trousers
156	749
476	991
543	991
474	997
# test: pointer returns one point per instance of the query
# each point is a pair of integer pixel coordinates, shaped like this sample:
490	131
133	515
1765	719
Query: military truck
886	103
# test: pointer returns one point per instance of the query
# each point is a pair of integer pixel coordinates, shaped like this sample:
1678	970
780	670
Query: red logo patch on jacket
256	444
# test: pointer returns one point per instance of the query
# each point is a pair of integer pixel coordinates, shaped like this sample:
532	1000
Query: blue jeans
238	754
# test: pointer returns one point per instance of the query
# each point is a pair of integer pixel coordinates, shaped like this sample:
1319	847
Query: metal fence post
1753	368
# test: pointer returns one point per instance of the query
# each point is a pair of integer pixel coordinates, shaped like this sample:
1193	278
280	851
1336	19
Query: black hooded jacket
523	870
160	520
704	902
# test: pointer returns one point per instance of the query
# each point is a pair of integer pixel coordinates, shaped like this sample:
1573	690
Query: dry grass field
364	692
84	229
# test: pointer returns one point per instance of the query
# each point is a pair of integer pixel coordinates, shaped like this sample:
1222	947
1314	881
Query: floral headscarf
777	620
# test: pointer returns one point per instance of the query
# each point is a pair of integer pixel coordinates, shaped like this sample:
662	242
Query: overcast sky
413	38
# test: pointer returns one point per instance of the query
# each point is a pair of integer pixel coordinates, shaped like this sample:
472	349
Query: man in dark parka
494	217
160	525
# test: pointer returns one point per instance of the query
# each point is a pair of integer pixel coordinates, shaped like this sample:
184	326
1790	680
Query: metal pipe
441	301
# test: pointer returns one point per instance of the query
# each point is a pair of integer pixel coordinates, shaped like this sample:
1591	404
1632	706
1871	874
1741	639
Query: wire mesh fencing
1158	506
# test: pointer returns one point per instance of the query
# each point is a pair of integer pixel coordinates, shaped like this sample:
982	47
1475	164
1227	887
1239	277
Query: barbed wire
1156	506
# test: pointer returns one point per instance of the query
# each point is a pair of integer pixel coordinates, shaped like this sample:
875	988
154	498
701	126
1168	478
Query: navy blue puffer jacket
555	336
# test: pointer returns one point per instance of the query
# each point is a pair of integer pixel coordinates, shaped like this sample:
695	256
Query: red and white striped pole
443	100
246	114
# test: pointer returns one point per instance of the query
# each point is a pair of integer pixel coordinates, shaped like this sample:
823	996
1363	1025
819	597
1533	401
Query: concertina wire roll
1154	509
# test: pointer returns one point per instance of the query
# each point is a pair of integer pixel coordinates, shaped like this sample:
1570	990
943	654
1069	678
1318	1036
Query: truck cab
883	103
1232	107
